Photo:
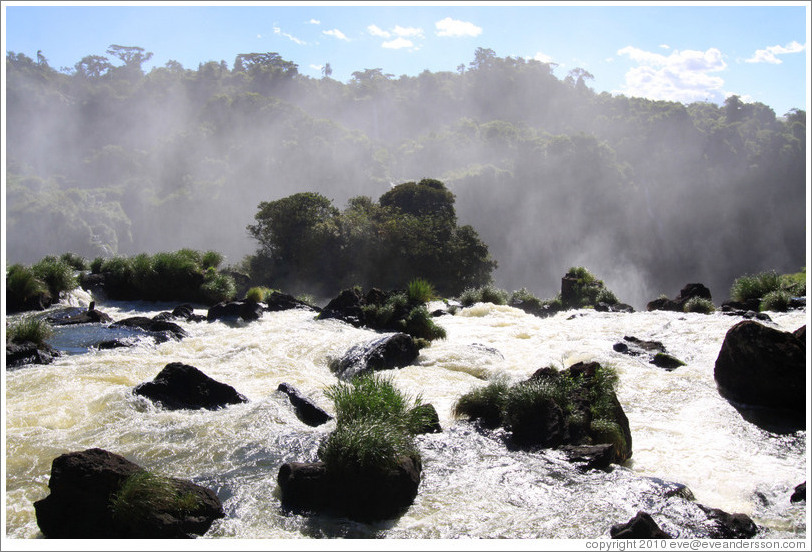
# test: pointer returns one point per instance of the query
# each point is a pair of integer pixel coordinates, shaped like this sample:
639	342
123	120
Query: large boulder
761	366
723	525
181	312
364	496
346	306
305	409
180	386
382	353
85	316
277	301
80	504
233	310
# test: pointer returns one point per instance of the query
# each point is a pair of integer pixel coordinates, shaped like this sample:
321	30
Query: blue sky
684	52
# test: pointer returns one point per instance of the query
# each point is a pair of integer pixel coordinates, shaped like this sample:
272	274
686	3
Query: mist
648	195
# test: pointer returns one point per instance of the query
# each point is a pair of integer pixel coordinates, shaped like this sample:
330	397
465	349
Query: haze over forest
105	159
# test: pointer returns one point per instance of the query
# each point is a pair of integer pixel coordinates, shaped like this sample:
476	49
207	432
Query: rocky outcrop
27	352
160	330
85	316
799	493
382	353
347	306
277	301
363	496
180	386
591	457
761	366
234	310
181	312
305	409
654	350
722	525
678	303
641	526
81	503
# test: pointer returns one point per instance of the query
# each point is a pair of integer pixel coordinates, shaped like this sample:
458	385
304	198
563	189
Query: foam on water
472	486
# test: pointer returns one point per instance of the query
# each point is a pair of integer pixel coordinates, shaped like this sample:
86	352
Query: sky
679	51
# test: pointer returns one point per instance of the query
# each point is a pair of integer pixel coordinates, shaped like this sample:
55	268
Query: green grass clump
77	262
756	286
699	305
211	259
795	283
606	431
526	299
217	287
606	296
374	397
29	328
257	294
588	290
364	446
484	294
56	274
419	324
420	291
776	301
143	493
484	403
375	425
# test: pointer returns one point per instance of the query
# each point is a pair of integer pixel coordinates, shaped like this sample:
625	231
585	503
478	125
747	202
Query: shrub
418	323
217	287
748	287
143	493
526	299
777	301
22	285
606	296
29	328
607	431
484	294
96	265
211	259
484	403
587	288
419	291
56	274
526	398
75	261
795	283
700	305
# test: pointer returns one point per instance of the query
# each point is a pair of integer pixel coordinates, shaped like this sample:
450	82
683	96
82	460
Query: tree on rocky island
307	244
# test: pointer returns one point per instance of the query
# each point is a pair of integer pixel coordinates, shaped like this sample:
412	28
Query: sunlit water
472	485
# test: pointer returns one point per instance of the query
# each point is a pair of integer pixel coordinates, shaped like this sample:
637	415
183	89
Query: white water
472	486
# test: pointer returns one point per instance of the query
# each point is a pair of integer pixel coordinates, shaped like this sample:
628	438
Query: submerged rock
87	316
180	386
80	504
277	301
799	494
305	409
181	312
722	525
247	310
382	353
27	352
161	330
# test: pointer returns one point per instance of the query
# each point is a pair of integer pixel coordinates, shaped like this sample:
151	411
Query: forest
106	158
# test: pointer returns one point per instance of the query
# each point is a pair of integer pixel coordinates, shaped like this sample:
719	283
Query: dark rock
181	312
89	316
82	485
614	307
277	301
382	353
590	457
161	330
346	306
641	526
678	303
364	496
432	424
743	306
180	386
27	352
233	310
542	426
762	366
799	494
113	344
305	409
666	361
729	526
648	346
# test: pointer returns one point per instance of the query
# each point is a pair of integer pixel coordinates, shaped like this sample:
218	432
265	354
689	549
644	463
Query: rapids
473	486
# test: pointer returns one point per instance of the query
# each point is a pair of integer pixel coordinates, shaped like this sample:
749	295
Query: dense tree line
107	158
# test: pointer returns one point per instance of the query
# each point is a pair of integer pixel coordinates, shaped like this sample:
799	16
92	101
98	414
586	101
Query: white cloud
768	54
398	43
278	31
408	31
316	67
314	22
544	58
665	46
683	76
335	33
455	28
374	30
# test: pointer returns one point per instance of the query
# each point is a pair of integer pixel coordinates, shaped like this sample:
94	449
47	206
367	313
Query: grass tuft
420	291
29	328
699	305
143	493
776	301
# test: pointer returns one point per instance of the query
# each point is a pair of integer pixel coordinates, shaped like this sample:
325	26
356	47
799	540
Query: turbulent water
472	485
